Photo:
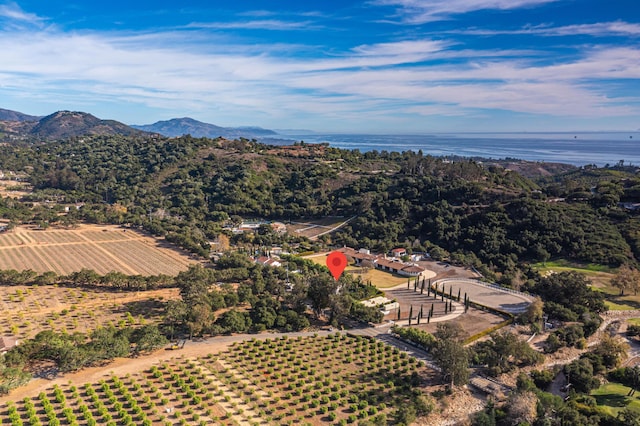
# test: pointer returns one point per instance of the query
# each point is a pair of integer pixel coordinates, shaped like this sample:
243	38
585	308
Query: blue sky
372	66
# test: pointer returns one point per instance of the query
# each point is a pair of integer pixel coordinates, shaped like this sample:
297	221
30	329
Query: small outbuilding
398	252
7	343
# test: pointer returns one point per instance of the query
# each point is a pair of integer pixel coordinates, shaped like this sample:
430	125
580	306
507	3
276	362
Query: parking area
485	294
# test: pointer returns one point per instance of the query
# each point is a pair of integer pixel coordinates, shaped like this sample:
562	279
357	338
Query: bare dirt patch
472	322
313	228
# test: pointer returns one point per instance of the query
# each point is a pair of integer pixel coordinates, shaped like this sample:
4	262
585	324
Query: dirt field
473	322
101	248
14	189
314	228
25	311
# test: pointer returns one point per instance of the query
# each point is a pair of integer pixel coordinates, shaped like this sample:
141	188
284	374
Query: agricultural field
101	248
333	379
27	310
14	189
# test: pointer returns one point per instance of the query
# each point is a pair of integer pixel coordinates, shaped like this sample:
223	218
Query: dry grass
380	279
315	227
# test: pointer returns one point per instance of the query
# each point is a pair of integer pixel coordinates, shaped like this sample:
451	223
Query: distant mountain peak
8	115
64	124
188	126
59	125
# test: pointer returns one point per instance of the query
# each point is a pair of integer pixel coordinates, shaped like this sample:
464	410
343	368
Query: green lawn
600	277
564	265
612	398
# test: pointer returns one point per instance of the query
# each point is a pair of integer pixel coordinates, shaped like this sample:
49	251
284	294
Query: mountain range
189	126
64	124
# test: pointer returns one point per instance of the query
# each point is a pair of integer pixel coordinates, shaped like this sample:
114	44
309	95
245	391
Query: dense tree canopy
185	188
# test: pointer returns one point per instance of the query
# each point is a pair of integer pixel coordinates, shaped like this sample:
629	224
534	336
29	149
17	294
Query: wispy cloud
262	24
600	29
422	11
11	11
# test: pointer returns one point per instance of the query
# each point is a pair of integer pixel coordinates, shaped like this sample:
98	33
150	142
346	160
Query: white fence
492	286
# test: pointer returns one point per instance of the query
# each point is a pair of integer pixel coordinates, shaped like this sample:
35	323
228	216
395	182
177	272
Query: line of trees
71	352
87	278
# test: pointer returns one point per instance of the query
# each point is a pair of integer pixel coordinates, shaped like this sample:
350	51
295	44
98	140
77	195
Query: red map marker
336	262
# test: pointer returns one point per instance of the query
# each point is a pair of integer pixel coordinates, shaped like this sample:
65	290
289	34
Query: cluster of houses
393	264
268	261
252	226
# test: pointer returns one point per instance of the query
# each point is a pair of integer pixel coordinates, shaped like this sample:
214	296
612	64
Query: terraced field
101	248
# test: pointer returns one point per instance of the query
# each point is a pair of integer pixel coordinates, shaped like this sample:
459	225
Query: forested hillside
187	188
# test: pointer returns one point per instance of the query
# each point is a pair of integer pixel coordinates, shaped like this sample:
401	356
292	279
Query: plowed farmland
101	248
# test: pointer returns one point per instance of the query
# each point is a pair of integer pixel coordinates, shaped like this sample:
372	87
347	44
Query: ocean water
572	148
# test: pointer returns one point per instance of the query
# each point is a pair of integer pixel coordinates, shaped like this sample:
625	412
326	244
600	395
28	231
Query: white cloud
191	72
421	11
13	11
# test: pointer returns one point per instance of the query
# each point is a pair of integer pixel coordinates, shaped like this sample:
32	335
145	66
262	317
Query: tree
580	374
572	291
450	355
199	319
341	306
234	321
148	338
522	408
504	352
629	417
534	312
223	242
632	379
321	289
612	350
175	314
194	285
626	279
366	265
85	277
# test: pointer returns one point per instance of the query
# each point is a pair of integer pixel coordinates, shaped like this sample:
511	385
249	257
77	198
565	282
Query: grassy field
560	265
335	379
101	248
600	277
612	397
